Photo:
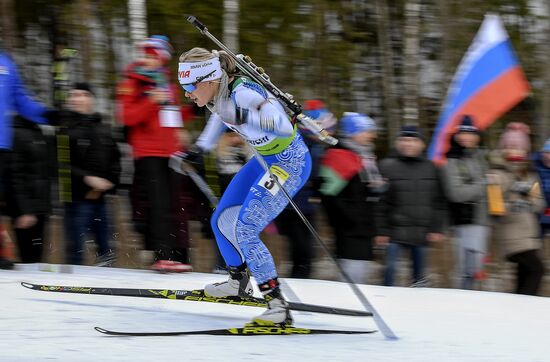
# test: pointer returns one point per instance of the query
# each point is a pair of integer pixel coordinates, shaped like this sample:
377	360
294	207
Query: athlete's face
203	93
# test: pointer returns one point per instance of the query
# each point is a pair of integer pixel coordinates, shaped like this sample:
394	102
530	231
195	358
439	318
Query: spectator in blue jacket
542	165
14	99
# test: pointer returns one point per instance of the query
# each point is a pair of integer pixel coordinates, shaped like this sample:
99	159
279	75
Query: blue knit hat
160	45
411	131
467	125
353	123
546	147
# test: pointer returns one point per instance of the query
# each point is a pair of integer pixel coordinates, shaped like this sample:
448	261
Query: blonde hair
227	63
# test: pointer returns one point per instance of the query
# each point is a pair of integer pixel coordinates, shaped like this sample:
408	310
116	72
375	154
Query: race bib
170	116
271	185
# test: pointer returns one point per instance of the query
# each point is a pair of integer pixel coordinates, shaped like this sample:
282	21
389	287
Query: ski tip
27	285
101	330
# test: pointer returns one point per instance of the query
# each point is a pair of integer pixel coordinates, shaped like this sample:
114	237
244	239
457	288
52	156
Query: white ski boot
238	284
278	312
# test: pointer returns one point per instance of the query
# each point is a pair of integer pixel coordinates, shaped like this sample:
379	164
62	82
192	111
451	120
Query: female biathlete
253	199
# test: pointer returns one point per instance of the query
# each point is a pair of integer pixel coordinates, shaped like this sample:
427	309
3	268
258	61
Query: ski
196	295
245	331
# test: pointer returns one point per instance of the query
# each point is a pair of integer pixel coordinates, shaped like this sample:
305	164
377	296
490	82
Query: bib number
271	185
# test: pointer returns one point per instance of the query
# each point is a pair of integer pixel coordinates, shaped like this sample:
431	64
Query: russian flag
489	81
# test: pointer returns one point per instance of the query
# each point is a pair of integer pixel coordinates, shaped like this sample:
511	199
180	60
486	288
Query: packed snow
432	324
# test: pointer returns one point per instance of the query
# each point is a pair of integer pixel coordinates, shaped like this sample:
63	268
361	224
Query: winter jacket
464	182
29	176
544	175
413	205
14	99
93	151
350	211
518	230
141	116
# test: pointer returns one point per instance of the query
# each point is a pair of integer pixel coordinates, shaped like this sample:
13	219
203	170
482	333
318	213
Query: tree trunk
231	24
138	20
8	26
411	62
84	10
446	51
386	60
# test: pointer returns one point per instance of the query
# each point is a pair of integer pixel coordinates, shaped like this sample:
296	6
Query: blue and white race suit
253	199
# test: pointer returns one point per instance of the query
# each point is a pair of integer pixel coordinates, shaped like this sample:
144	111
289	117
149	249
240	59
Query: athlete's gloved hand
192	156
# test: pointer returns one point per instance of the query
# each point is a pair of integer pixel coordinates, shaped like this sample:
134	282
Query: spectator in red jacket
149	107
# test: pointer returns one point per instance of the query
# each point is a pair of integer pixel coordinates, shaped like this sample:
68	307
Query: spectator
542	165
466	189
5	249
149	107
190	204
13	100
350	185
94	169
517	231
29	197
410	214
231	155
299	237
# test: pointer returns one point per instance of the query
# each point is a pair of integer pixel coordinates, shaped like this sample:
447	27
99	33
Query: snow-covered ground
433	324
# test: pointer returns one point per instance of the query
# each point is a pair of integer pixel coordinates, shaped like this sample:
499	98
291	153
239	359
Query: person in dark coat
93	163
29	188
14	99
350	185
410	214
300	238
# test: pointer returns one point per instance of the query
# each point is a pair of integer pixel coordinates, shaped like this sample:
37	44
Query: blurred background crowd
85	141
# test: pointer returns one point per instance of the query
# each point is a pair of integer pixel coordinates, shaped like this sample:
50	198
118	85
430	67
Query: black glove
52	116
192	156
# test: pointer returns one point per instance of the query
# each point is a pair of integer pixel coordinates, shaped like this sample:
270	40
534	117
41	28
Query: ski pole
184	168
382	325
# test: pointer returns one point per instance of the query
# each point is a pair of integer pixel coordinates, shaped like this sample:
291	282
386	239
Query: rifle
257	74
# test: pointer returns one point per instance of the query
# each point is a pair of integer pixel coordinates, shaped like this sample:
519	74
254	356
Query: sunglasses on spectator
191	87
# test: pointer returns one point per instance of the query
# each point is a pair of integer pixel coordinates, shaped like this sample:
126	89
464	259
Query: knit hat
467	125
515	136
411	131
353	123
84	86
316	110
159	46
313	104
546	146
